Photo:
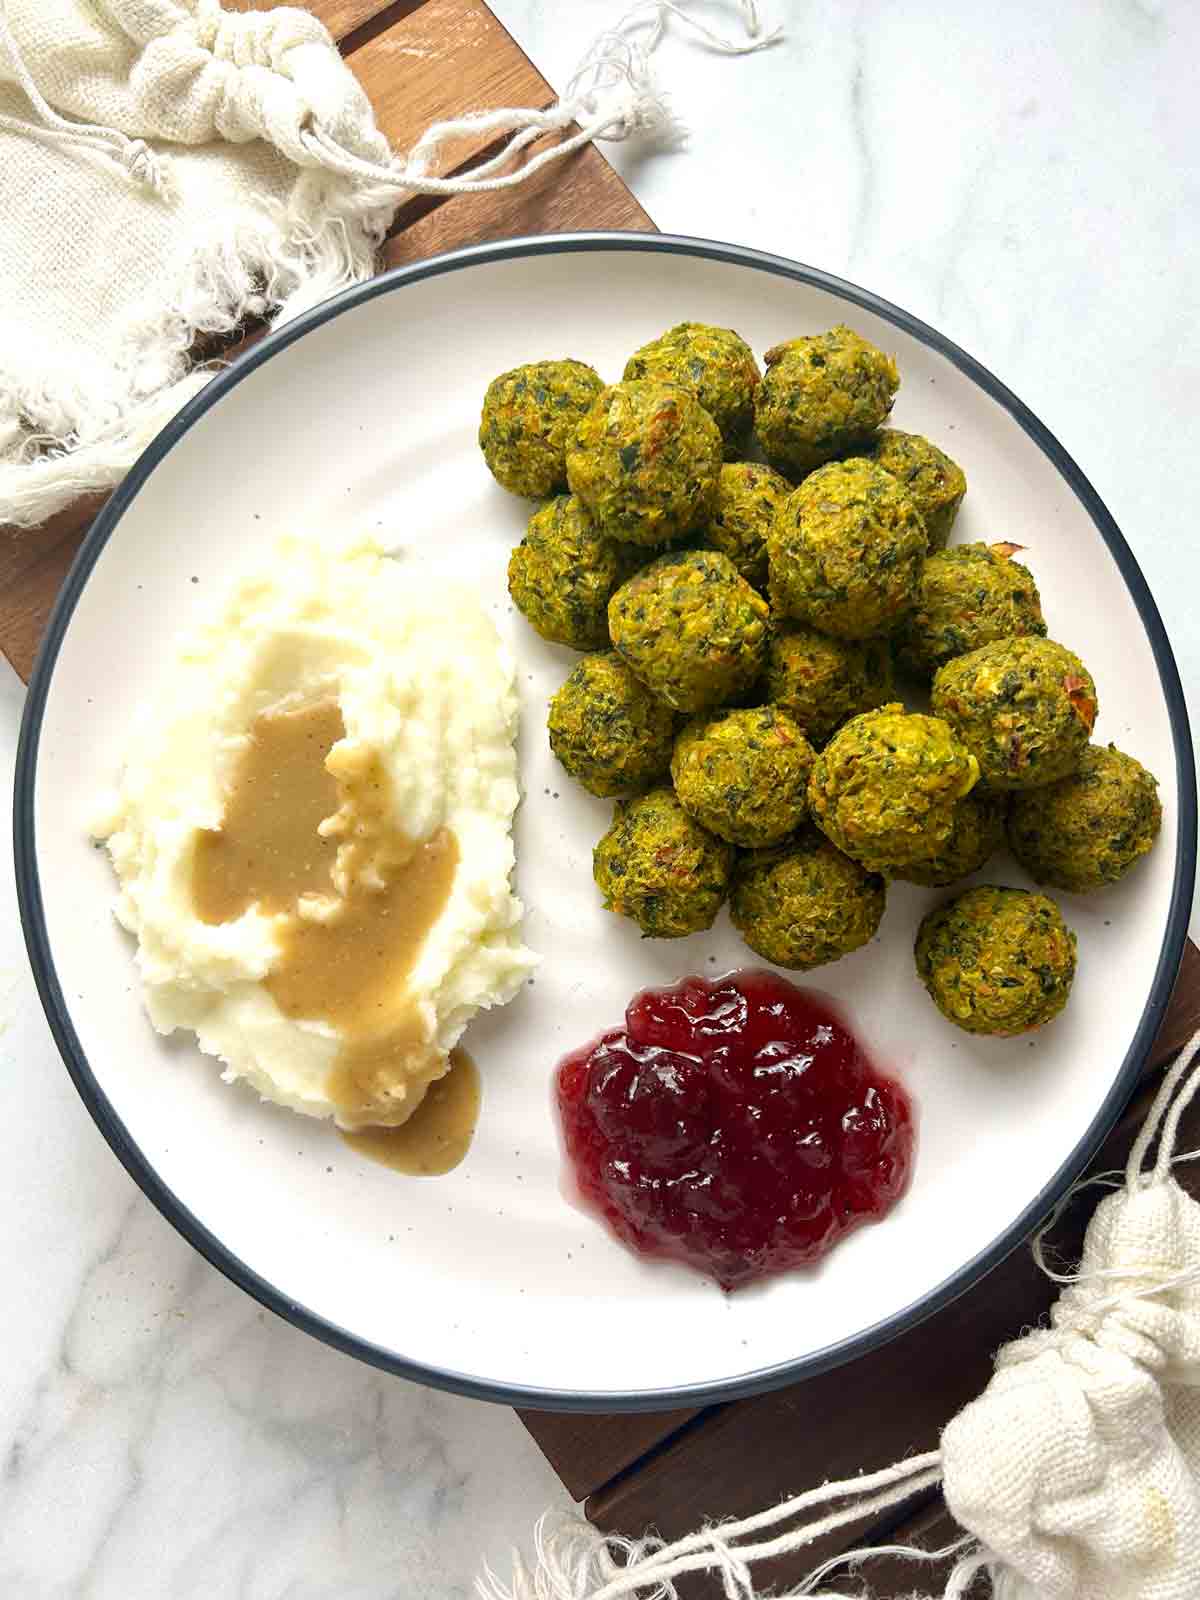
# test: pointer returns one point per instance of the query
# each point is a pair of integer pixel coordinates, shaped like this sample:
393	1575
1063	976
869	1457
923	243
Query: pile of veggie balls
744	558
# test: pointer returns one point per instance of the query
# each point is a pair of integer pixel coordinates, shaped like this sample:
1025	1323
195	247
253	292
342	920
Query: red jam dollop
735	1125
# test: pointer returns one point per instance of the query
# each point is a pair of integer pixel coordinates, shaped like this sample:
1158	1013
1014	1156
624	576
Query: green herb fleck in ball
968	596
804	903
744	775
563	574
1088	830
1025	708
608	731
691	629
821	682
935	484
749	496
644	461
662	869
997	961
715	365
821	397
886	786
528	416
976	833
846	551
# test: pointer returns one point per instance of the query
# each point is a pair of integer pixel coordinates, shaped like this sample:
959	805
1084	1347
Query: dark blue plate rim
57	1012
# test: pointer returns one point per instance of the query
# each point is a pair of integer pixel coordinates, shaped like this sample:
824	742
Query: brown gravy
268	848
438	1134
344	955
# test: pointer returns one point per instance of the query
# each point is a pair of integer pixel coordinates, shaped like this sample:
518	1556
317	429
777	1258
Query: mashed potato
423	689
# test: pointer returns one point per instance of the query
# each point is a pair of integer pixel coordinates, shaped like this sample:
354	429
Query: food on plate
886	786
644	461
976	833
773	607
437	1136
935	484
662	869
608	731
822	396
735	1125
748	497
967	596
563	573
691	629
1025	708
715	365
311	833
804	903
821	681
846	551
743	775
1089	829
528	416
997	961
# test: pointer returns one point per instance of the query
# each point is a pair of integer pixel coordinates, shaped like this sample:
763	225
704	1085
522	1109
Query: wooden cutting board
676	1470
420	60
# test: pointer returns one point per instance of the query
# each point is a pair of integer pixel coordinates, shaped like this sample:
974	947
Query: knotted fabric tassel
1075	1475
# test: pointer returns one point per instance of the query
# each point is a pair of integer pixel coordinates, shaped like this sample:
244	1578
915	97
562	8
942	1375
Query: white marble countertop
1022	176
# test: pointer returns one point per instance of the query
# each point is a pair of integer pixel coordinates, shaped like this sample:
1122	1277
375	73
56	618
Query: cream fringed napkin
168	169
1076	1472
115	254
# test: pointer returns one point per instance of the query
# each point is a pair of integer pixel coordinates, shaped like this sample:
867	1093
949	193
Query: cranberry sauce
735	1125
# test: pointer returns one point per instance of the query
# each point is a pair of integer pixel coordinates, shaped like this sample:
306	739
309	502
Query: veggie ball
976	833
998	961
749	496
563	574
935	484
821	397
607	729
886	786
1087	830
644	461
691	629
968	596
846	551
743	775
821	681
804	903
1025	708
658	866
528	416
715	365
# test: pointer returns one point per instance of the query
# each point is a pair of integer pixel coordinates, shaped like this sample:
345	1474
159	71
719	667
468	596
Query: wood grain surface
424	60
733	1460
751	1454
341	17
588	1452
583	193
419	61
444	48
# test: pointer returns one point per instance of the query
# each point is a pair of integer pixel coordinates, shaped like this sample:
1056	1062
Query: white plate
488	1280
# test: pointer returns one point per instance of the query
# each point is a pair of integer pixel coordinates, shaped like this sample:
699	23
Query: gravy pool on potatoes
438	1134
343	959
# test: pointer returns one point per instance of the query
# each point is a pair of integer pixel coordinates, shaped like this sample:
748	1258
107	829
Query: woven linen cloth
158	182
1075	1474
1079	1465
167	170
